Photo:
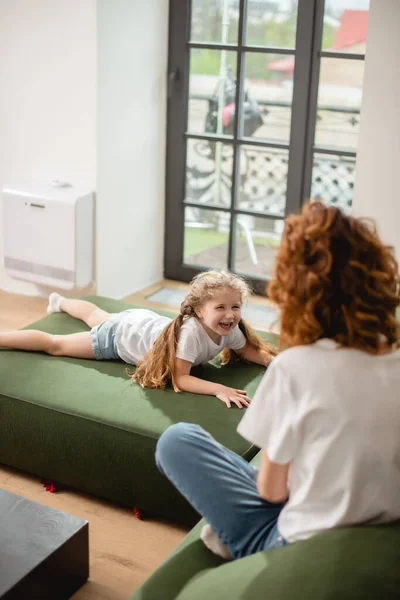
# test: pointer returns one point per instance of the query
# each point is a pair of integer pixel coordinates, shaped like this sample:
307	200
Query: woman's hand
229	395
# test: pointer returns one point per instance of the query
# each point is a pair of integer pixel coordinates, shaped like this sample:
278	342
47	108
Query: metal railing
263	170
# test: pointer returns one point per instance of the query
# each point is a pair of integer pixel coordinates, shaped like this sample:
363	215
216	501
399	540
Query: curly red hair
334	278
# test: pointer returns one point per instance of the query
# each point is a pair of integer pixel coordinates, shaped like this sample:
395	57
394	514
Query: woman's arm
188	383
272	480
260	357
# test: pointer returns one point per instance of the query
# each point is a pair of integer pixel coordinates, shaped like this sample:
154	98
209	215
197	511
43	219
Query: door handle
173	77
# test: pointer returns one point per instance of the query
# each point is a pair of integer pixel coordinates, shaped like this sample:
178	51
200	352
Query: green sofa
83	424
355	563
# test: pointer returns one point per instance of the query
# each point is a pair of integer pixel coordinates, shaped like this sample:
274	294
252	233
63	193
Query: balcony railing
263	170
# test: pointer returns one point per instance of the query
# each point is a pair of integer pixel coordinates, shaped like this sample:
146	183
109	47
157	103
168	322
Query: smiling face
221	313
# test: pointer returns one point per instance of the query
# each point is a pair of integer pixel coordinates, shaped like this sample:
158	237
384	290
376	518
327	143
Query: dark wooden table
44	553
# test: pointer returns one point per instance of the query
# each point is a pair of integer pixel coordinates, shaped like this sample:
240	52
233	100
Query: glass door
244	109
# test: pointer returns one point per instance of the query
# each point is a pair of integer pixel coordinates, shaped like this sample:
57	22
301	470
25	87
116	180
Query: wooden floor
124	551
18	311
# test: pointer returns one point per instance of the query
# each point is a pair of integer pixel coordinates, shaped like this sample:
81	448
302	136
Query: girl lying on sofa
164	350
326	414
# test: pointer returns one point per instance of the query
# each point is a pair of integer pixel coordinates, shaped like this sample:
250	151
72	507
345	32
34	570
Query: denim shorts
104	344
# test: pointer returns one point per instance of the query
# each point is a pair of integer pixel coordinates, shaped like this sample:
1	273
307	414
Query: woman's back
339	424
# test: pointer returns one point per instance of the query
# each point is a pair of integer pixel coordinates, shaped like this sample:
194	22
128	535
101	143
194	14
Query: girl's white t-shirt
139	329
334	414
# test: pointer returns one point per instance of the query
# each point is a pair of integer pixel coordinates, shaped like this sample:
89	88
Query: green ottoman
83	424
354	563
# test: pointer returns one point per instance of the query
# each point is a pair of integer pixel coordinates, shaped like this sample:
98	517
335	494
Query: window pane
339	101
212	89
333	180
263	180
267	104
214	21
271	23
209	172
257	240
206	237
345	26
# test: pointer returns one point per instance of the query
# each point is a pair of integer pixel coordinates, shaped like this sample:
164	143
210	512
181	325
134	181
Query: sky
340	5
336	5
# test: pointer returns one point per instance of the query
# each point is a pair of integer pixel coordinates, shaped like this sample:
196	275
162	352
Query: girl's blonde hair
157	368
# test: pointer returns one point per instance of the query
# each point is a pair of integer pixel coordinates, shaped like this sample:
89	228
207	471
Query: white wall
47	97
377	185
132	66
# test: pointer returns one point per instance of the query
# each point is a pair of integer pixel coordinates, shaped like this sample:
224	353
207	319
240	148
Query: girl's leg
87	312
75	345
221	486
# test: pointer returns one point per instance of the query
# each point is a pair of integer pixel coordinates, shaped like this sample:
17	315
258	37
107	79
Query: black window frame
301	147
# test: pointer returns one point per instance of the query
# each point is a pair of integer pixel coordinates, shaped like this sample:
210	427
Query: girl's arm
188	383
272	480
260	357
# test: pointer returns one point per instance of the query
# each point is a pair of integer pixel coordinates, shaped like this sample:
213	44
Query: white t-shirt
196	346
138	330
136	333
335	413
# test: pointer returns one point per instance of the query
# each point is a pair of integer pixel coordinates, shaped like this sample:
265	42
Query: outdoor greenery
199	240
207	27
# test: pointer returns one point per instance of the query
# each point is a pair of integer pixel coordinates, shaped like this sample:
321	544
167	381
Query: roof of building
352	30
284	64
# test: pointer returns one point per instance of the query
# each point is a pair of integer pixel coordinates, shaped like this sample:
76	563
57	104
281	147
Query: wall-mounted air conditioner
48	234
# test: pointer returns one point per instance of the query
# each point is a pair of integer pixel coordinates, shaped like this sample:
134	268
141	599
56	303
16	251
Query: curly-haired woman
327	413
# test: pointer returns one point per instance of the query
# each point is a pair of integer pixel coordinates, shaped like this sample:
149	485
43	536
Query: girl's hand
229	395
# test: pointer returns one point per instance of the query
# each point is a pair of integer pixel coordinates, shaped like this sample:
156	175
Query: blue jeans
221	486
102	336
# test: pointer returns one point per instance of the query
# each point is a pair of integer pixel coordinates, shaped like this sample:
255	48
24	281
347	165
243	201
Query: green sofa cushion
84	424
354	563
